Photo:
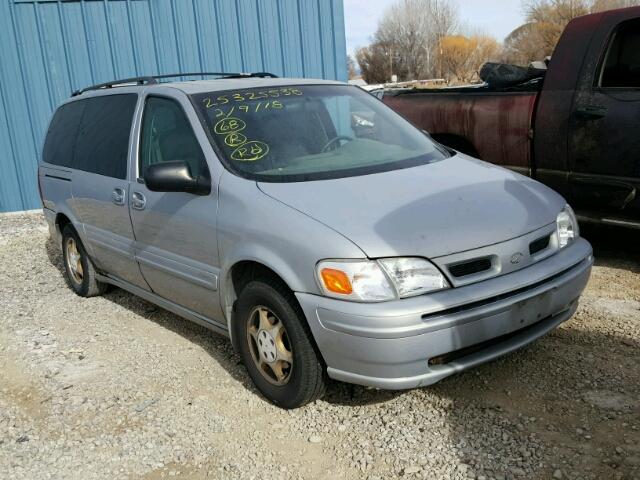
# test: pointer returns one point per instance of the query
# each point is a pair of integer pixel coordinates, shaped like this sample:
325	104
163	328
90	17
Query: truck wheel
276	345
80	272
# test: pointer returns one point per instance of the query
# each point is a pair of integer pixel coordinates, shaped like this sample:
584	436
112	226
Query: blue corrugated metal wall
50	47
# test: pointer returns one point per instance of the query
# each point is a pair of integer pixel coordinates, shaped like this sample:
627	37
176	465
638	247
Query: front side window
167	136
308	132
622	62
102	146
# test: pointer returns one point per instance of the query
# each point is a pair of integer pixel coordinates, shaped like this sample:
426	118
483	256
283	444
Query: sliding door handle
118	196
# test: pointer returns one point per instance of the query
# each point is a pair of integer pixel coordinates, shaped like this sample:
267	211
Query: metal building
48	48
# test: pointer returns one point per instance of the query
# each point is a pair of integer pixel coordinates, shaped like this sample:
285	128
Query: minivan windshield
310	132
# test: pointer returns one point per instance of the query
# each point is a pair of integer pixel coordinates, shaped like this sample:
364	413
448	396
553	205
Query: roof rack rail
153	79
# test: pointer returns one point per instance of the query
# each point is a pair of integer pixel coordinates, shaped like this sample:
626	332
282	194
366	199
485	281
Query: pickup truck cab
576	131
310	223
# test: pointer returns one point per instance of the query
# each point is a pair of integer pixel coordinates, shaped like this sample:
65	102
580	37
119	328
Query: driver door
175	232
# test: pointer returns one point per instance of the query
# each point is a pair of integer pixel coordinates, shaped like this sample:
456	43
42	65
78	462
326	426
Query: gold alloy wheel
74	260
270	346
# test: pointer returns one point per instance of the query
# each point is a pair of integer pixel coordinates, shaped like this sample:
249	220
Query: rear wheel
276	345
80	271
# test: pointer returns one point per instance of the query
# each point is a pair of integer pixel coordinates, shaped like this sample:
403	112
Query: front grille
469	268
539	245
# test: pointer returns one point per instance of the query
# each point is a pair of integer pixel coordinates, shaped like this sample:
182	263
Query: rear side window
58	146
622	62
103	139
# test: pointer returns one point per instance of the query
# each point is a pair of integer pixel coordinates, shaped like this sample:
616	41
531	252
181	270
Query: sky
495	17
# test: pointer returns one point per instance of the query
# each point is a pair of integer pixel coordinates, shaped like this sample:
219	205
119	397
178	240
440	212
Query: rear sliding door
100	185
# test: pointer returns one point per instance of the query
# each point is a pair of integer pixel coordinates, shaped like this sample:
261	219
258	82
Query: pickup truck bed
454	117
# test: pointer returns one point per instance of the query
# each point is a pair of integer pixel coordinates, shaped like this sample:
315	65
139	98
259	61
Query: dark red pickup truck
577	130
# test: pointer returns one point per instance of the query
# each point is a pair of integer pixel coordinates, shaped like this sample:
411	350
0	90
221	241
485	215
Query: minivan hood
432	210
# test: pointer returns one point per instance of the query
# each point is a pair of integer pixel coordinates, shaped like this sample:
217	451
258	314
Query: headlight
379	281
567	227
413	276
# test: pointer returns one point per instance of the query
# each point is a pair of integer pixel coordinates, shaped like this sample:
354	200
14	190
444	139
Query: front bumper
393	345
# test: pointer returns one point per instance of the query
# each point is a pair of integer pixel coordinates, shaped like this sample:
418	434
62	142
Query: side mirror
175	176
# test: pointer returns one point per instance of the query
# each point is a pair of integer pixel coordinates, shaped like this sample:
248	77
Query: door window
58	146
167	136
622	63
103	140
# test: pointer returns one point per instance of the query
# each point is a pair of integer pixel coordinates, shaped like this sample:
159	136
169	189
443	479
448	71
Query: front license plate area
532	310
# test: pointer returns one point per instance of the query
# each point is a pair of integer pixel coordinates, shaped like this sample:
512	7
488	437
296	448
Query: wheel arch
63	217
62	220
242	271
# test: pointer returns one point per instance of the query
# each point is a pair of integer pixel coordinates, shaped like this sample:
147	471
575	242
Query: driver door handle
138	201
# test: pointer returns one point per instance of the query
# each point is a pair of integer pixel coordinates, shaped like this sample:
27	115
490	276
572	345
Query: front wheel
276	345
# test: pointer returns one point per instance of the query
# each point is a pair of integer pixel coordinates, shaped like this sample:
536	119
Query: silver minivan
319	230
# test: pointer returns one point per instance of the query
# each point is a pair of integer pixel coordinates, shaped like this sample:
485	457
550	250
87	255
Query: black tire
85	285
306	381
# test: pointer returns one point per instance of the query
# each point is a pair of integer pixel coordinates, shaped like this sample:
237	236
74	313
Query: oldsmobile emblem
516	258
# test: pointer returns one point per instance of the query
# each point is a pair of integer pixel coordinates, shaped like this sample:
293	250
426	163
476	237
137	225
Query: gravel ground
114	387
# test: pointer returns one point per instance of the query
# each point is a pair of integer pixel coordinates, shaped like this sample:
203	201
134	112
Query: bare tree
552	16
524	45
411	31
463	56
374	63
600	5
351	67
545	21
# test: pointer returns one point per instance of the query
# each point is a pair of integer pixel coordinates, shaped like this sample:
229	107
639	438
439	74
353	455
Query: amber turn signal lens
336	281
